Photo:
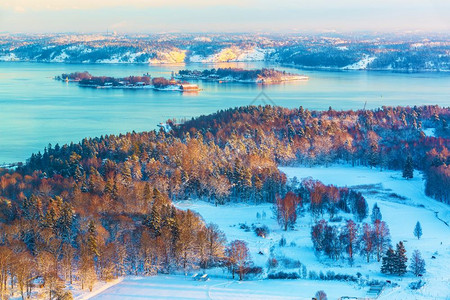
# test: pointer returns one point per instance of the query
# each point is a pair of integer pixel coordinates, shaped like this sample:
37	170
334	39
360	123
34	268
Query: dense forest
103	207
236	74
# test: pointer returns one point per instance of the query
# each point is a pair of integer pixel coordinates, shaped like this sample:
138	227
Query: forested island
85	79
263	76
104	207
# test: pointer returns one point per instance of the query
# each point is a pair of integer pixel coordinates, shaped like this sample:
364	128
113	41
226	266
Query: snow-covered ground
429	131
362	64
402	203
180	287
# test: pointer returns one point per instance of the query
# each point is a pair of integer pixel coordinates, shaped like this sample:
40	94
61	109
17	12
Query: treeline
382	138
85	78
235	73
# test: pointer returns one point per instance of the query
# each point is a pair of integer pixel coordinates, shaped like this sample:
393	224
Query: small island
85	79
260	76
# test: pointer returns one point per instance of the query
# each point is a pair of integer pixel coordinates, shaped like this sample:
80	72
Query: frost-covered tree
238	257
388	263
367	241
376	213
350	237
400	259
408	169
286	210
321	295
417	266
381	237
418	230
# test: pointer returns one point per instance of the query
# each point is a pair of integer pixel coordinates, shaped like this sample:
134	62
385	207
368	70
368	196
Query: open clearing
402	204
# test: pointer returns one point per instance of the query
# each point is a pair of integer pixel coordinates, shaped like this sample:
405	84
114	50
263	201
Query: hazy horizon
200	16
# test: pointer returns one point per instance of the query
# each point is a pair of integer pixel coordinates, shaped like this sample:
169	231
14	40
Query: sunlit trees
286	210
350	235
238	258
367	241
381	237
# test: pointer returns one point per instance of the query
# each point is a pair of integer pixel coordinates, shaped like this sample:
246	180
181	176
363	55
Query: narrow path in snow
100	290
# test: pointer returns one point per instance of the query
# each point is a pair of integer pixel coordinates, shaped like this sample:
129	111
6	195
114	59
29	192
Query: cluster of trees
331	199
350	238
103	80
75	76
394	262
382	138
51	239
437	174
235	73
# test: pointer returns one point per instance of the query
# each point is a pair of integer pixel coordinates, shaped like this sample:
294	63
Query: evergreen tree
400	259
408	170
418	230
155	221
376	213
65	222
92	239
387	265
417	263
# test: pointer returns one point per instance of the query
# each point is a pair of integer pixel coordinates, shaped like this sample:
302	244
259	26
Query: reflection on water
36	110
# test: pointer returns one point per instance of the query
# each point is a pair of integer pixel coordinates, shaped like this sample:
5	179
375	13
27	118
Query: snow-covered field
180	287
402	204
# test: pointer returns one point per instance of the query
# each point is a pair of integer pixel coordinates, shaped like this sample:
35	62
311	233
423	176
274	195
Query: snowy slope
402	204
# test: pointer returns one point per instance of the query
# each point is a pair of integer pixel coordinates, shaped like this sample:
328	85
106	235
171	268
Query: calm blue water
36	110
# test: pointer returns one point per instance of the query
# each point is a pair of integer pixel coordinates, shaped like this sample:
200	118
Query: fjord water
36	110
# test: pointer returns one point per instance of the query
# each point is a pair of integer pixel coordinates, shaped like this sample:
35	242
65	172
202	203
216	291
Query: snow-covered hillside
402	203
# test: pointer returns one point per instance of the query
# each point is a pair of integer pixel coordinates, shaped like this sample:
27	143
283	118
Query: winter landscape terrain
332	51
402	203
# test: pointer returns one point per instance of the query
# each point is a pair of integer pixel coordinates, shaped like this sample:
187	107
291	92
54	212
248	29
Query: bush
416	285
313	275
253	271
272	263
290	263
284	275
245	227
262	231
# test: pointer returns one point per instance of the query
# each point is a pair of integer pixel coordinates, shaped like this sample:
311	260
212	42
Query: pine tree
92	239
408	170
387	265
417	263
155	221
418	230
400	260
376	213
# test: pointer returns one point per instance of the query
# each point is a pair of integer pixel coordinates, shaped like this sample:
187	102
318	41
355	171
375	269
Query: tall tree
238	257
286	210
381	237
400	259
418	230
367	241
417	266
408	169
388	263
350	234
376	213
